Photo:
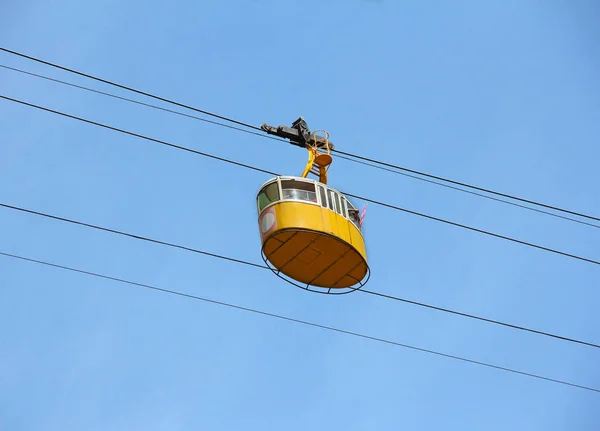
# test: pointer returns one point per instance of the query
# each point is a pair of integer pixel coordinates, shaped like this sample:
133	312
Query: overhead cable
262	135
481	195
483	319
390	165
131	235
302	322
247	263
124	87
148	105
401	168
376	202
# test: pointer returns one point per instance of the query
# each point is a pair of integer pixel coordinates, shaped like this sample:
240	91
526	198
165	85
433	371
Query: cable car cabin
311	233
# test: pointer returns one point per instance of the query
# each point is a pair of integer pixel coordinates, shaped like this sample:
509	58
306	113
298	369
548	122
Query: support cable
390	165
247	263
376	202
302	322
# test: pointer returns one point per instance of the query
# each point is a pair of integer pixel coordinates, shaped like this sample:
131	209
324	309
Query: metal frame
308	286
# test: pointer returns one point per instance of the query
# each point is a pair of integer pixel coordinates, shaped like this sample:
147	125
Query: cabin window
323	197
330	196
298	190
344	207
338	206
268	195
353	215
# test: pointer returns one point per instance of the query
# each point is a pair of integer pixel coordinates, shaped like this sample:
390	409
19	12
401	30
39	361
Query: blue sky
500	94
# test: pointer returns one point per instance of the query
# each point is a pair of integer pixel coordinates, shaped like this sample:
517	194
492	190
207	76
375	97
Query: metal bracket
299	134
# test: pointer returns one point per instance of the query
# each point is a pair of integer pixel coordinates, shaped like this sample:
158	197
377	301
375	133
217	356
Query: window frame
302	181
330	200
338	204
352	208
322	194
264	187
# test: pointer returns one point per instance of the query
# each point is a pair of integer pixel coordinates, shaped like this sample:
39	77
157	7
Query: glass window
338	206
323	197
344	208
268	195
353	214
298	190
330	196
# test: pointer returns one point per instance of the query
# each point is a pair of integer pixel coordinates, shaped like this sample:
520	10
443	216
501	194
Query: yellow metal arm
318	162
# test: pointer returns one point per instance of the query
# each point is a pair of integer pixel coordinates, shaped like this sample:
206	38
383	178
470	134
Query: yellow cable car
309	231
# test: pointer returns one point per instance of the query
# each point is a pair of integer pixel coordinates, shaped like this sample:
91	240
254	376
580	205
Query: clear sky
500	94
